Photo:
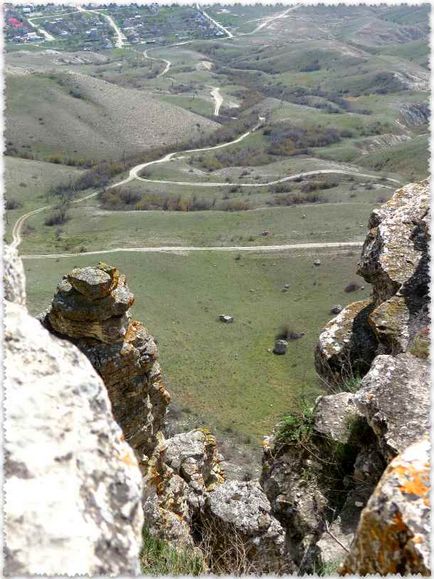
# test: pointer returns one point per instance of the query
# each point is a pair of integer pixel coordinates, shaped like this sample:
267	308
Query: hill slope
79	116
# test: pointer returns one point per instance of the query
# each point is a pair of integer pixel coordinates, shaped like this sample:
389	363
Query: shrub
12	204
235	205
296	427
58	216
286	332
296	199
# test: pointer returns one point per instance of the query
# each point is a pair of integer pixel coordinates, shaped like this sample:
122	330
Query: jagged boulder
394	247
180	473
240	532
335	415
395	260
165	499
90	308
72	484
194	456
393	536
347	344
395	399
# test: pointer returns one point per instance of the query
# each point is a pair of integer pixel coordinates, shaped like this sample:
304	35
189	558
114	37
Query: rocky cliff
183	480
321	468
72	485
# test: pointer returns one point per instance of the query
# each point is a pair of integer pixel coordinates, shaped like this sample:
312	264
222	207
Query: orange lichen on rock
393	536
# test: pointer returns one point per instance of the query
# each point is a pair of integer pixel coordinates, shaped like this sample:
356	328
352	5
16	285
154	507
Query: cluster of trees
295	199
124	198
295	140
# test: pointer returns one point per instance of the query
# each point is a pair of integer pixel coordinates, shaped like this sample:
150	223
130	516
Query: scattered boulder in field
280	347
317	262
225	318
336	309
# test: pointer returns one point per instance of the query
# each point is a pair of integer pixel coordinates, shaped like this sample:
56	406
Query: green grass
157	557
286	225
410	158
195	104
225	373
29	183
296	427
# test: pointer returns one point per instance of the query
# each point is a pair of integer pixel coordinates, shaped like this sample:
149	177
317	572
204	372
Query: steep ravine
337	479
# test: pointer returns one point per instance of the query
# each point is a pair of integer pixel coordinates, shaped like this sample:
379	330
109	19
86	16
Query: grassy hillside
28	184
58	116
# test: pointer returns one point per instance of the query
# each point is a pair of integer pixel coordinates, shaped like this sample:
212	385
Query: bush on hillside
12	204
58	216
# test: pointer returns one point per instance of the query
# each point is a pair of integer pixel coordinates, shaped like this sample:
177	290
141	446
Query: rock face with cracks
72	484
237	524
395	261
373	358
393	536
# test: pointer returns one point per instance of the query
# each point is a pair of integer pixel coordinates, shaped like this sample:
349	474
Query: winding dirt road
269	19
134	174
48	37
189	249
167	62
120	36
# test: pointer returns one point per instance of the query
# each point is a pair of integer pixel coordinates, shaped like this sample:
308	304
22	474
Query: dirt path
218	100
48	37
167	62
120	36
269	19
268	183
219	26
134	174
189	249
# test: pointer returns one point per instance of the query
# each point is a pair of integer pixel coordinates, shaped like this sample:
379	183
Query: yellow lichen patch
112	271
128	459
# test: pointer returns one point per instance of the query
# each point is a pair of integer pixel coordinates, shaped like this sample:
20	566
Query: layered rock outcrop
72	485
373	358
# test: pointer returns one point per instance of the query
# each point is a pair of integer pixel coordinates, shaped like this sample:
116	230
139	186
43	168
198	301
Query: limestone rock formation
238	525
333	416
347	344
395	261
14	283
181	472
393	536
90	308
320	477
395	399
72	484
